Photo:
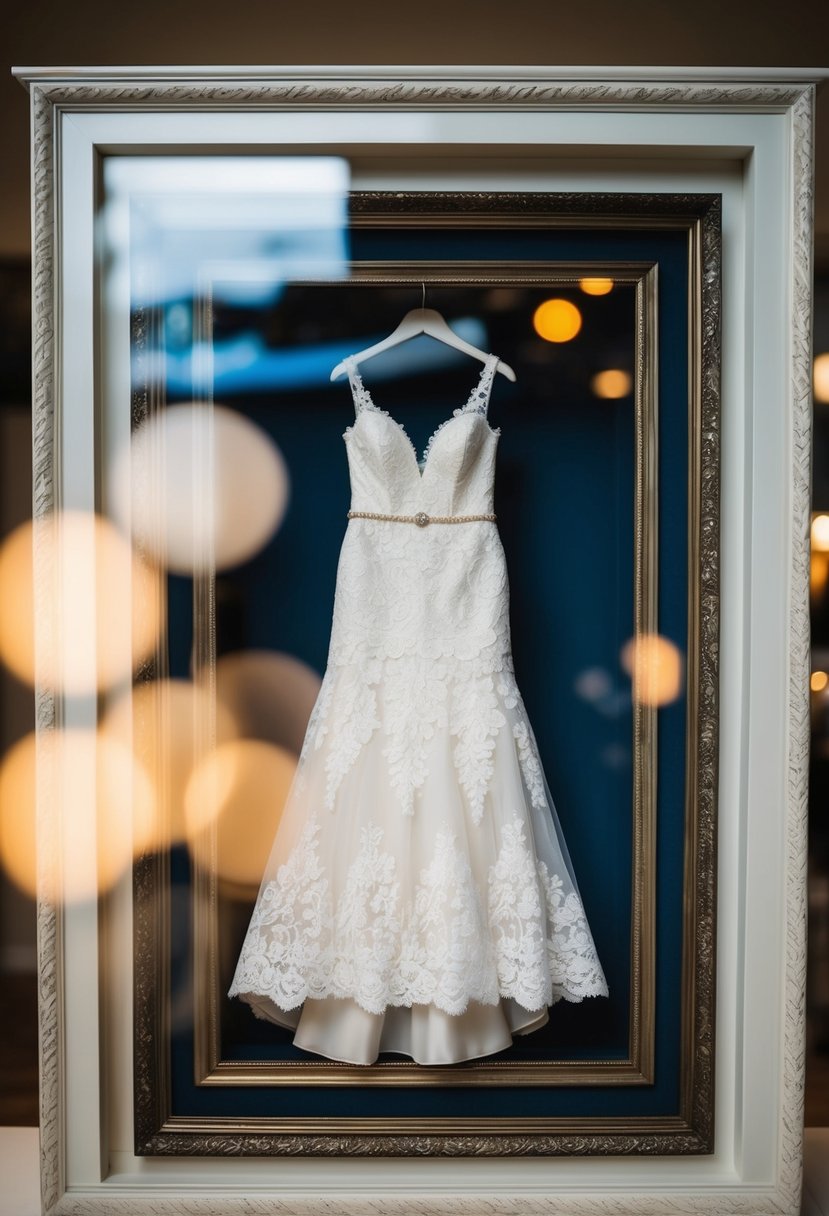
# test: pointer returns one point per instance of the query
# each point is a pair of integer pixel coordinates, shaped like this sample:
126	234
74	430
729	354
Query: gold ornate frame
691	1130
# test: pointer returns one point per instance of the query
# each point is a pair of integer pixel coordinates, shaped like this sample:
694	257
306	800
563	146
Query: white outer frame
670	127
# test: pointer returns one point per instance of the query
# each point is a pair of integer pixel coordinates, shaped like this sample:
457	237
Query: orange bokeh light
596	286
106	808
820	533
98	613
820	378
557	320
613	383
656	668
241	788
167	724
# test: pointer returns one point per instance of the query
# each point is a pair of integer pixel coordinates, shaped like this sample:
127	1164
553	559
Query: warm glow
819	681
820	378
655	666
557	320
168	725
820	533
613	383
201	485
242	788
596	287
99	605
819	574
269	694
107	808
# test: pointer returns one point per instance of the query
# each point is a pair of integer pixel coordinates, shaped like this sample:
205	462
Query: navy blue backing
564	493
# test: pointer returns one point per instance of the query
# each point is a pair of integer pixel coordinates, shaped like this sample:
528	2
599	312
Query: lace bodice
456	473
421	613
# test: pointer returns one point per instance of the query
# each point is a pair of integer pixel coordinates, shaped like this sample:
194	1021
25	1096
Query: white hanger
423	321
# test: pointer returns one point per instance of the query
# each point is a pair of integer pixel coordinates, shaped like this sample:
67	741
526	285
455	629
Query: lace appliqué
543	945
367	927
530	763
363	400
409	701
415	704
289	934
420	644
477	719
575	971
362	397
477	403
521	938
446	955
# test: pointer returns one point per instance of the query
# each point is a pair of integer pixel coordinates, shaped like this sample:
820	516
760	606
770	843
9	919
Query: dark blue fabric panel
564	495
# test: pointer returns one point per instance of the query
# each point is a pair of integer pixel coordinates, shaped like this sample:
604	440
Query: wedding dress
419	897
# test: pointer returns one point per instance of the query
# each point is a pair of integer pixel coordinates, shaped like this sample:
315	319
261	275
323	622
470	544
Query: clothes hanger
417	321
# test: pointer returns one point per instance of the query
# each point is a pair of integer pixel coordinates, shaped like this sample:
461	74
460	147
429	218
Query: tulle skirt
430	929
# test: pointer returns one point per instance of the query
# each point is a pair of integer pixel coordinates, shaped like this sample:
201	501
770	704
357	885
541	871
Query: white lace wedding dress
419	897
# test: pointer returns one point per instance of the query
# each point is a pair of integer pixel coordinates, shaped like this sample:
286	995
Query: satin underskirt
342	1030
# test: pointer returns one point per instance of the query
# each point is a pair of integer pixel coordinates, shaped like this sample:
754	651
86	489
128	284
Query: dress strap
359	392
478	402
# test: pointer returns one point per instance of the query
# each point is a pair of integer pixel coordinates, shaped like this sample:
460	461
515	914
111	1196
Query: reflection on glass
243	224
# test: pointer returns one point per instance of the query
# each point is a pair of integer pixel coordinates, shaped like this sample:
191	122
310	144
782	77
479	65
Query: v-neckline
368	402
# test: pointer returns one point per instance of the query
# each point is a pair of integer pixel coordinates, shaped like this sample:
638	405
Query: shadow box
634	255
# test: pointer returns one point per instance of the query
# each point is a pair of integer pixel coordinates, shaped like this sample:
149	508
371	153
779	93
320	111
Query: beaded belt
421	519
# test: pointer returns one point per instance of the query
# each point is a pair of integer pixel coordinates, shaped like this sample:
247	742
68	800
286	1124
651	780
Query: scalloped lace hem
523	937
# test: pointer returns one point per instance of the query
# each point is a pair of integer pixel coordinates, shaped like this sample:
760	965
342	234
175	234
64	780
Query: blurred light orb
101	613
612	383
596	286
557	320
656	669
187	516
167	724
820	533
820	378
818	681
593	683
241	787
270	695
818	574
107	805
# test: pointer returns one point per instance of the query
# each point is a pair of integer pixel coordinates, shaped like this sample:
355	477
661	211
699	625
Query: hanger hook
423	301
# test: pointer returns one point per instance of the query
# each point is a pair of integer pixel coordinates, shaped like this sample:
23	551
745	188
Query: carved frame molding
278	88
